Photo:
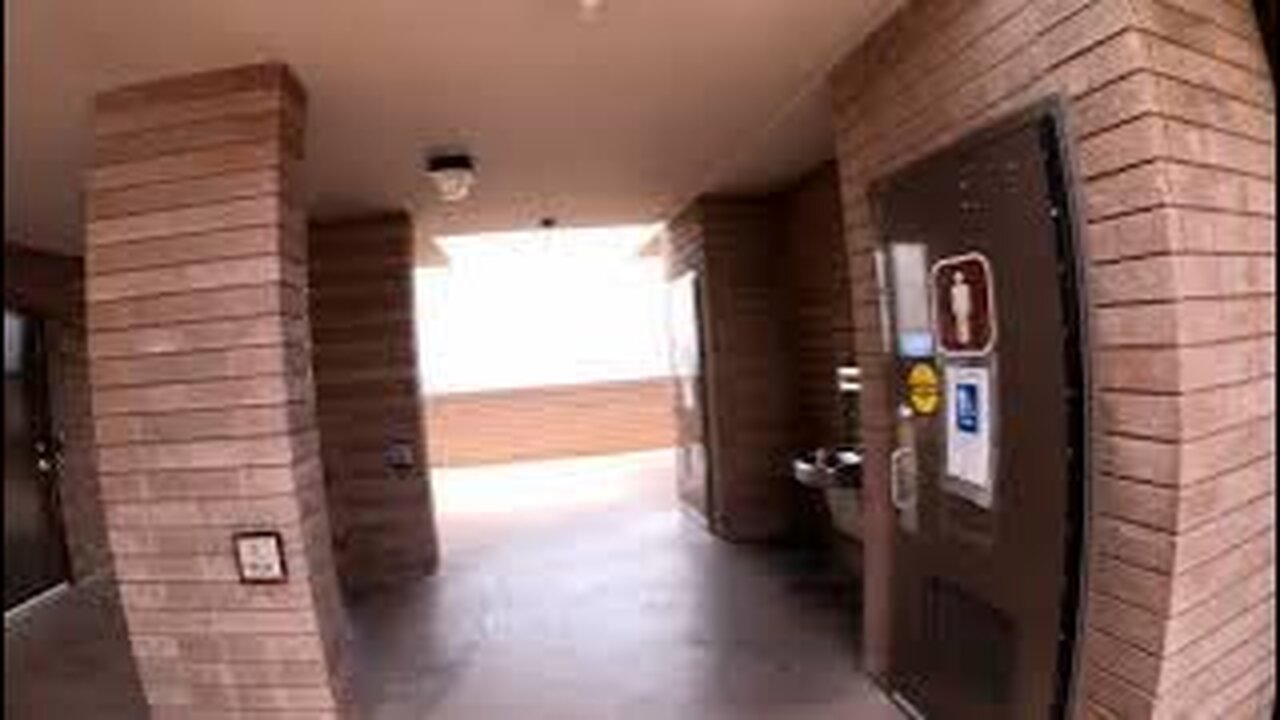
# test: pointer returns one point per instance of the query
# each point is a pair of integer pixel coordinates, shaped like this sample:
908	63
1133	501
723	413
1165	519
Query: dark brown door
987	485
35	557
693	475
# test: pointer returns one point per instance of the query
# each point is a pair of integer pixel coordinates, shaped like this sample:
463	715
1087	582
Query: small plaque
260	557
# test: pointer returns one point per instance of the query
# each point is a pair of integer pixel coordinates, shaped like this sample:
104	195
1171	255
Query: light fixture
590	9
454	175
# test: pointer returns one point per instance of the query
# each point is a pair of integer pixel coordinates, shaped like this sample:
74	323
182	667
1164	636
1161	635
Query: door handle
48	457
902	479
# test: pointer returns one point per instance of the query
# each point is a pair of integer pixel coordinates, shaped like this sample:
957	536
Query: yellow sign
922	388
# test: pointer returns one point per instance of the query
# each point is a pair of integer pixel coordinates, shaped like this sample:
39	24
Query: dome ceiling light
454	175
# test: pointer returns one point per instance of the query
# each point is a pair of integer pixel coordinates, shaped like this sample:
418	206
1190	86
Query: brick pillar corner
370	400
202	395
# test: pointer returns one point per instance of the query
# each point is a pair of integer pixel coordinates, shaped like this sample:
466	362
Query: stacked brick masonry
820	322
776	322
524	424
51	287
734	243
1171	112
202	394
368	397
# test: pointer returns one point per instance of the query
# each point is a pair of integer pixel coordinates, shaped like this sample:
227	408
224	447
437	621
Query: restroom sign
964	309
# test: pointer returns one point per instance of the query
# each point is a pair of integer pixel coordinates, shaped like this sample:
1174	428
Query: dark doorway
988	485
35	555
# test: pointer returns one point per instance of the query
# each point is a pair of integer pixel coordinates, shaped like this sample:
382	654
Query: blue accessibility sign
967	410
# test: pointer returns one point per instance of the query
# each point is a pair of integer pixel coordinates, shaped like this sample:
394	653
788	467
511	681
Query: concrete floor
69	658
576	590
569	590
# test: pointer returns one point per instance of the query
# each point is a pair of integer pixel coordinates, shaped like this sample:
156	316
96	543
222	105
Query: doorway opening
36	562
547	380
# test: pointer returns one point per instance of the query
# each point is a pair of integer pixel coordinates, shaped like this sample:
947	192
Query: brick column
202	394
370	402
1171	114
748	373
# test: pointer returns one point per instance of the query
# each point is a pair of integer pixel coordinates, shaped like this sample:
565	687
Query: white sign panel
969	426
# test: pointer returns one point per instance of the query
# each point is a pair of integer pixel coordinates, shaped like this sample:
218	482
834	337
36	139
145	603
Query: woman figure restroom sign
964	305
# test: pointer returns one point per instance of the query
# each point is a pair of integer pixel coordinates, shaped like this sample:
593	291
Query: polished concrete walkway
575	590
570	590
69	658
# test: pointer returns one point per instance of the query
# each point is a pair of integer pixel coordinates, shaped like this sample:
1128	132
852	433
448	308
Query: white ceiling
619	120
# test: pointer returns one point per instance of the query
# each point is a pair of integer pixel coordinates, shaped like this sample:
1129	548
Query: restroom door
693	475
988	486
35	558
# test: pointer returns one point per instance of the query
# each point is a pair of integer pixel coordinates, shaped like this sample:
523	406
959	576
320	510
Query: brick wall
734	243
776	322
548	422
203	405
51	287
1171	112
368	398
820	319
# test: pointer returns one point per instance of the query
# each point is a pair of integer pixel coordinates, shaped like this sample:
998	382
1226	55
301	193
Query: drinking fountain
836	472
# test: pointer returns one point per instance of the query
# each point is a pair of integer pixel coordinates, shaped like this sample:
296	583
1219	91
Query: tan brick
159	115
266	269
1198	621
1201	688
195	306
1207	500
254	211
291	674
1203	580
202	391
1202	653
1130	97
1135	626
215	596
256	331
1199	321
1231	80
255	391
244	157
267	451
1136	544
1146	589
1135	189
1192	25
1202	105
1155	506
193	367
200	134
1172	118
182	249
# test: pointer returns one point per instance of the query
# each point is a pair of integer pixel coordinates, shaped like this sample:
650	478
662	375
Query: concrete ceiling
618	120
